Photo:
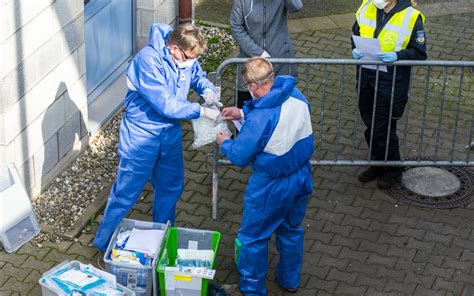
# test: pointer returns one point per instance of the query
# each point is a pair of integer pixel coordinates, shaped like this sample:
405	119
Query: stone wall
43	111
153	11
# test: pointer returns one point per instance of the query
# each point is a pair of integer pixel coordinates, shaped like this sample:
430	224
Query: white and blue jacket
277	136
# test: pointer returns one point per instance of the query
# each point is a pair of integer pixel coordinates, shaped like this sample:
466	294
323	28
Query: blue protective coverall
277	138
150	138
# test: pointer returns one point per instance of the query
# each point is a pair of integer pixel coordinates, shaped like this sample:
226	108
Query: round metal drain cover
429	181
435	187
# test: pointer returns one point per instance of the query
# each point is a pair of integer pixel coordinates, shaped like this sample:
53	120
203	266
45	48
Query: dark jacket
415	50
259	25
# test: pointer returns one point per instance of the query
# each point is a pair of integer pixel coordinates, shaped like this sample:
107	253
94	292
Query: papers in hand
370	47
145	241
238	123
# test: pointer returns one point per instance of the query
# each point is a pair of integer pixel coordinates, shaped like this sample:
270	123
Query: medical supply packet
206	130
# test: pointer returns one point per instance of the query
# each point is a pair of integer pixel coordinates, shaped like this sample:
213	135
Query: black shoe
292	290
387	180
368	175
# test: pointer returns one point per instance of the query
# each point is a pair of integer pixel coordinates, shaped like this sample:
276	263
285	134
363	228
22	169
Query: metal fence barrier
436	129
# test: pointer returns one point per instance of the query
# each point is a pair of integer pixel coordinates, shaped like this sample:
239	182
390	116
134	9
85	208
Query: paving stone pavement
358	241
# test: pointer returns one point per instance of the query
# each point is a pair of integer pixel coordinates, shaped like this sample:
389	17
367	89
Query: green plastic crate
179	238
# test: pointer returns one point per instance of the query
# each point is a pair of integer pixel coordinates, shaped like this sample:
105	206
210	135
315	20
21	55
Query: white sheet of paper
370	47
238	123
145	241
78	277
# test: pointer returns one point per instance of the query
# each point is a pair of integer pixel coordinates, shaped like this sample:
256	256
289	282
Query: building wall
43	115
153	11
43	97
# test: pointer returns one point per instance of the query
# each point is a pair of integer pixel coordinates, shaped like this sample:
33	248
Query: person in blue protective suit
150	140
277	139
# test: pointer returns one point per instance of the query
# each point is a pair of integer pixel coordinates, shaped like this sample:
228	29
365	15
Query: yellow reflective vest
396	33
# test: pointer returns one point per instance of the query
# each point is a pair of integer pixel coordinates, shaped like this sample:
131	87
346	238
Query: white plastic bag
206	130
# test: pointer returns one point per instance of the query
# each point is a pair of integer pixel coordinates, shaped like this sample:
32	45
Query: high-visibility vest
396	33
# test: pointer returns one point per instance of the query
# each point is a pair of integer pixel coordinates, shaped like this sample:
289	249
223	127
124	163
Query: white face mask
380	4
185	64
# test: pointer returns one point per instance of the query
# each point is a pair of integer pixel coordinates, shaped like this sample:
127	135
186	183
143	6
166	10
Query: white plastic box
18	222
141	279
47	291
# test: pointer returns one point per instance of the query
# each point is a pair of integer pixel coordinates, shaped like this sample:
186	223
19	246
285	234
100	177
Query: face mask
185	64
380	4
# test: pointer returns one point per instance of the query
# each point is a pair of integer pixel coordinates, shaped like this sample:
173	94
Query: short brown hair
257	69
188	37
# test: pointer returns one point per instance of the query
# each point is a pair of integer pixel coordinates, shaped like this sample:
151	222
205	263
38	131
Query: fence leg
215	181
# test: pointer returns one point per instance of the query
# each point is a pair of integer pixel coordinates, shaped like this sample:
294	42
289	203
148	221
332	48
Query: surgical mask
380	4
185	64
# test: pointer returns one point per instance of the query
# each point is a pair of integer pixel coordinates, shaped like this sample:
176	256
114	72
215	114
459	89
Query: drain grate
458	198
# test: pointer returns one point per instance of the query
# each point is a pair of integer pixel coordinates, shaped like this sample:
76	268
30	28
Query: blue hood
158	35
279	92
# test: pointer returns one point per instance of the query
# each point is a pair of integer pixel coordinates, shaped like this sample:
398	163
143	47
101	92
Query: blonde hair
188	37
258	70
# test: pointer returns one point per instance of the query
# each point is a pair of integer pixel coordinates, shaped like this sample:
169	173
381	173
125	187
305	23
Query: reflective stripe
361	17
405	31
396	33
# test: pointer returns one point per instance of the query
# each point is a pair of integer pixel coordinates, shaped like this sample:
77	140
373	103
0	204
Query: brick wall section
43	113
153	11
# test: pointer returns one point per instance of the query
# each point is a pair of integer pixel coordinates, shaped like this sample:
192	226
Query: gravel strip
65	200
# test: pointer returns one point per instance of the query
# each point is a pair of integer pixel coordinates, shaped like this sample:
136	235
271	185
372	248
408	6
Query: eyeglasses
186	57
246	84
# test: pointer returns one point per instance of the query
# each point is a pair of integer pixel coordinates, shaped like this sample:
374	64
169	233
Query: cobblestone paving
359	241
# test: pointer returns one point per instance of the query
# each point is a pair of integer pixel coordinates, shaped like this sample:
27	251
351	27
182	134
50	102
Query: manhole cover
435	187
429	181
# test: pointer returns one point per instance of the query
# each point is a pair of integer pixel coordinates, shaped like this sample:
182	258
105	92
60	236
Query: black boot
368	175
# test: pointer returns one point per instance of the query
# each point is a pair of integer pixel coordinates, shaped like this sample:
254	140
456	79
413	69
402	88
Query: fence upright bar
374	107
321	123
461	80
407	114
356	112
390	114
471	131
423	121
215	181
339	112
441	112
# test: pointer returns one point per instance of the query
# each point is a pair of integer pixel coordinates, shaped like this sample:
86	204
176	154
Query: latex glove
388	57
221	137
212	114
357	54
265	55
231	113
211	97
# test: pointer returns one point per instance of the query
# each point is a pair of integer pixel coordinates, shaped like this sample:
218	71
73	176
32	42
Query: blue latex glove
356	54
388	57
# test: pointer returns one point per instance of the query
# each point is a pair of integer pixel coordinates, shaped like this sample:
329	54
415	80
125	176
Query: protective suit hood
158	35
279	92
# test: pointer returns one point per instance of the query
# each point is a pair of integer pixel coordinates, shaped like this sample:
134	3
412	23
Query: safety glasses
246	84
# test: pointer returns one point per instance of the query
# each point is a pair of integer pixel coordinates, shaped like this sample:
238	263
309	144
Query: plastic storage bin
18	222
47	291
141	279
180	238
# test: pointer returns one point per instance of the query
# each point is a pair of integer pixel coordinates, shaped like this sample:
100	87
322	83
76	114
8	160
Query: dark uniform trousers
381	122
